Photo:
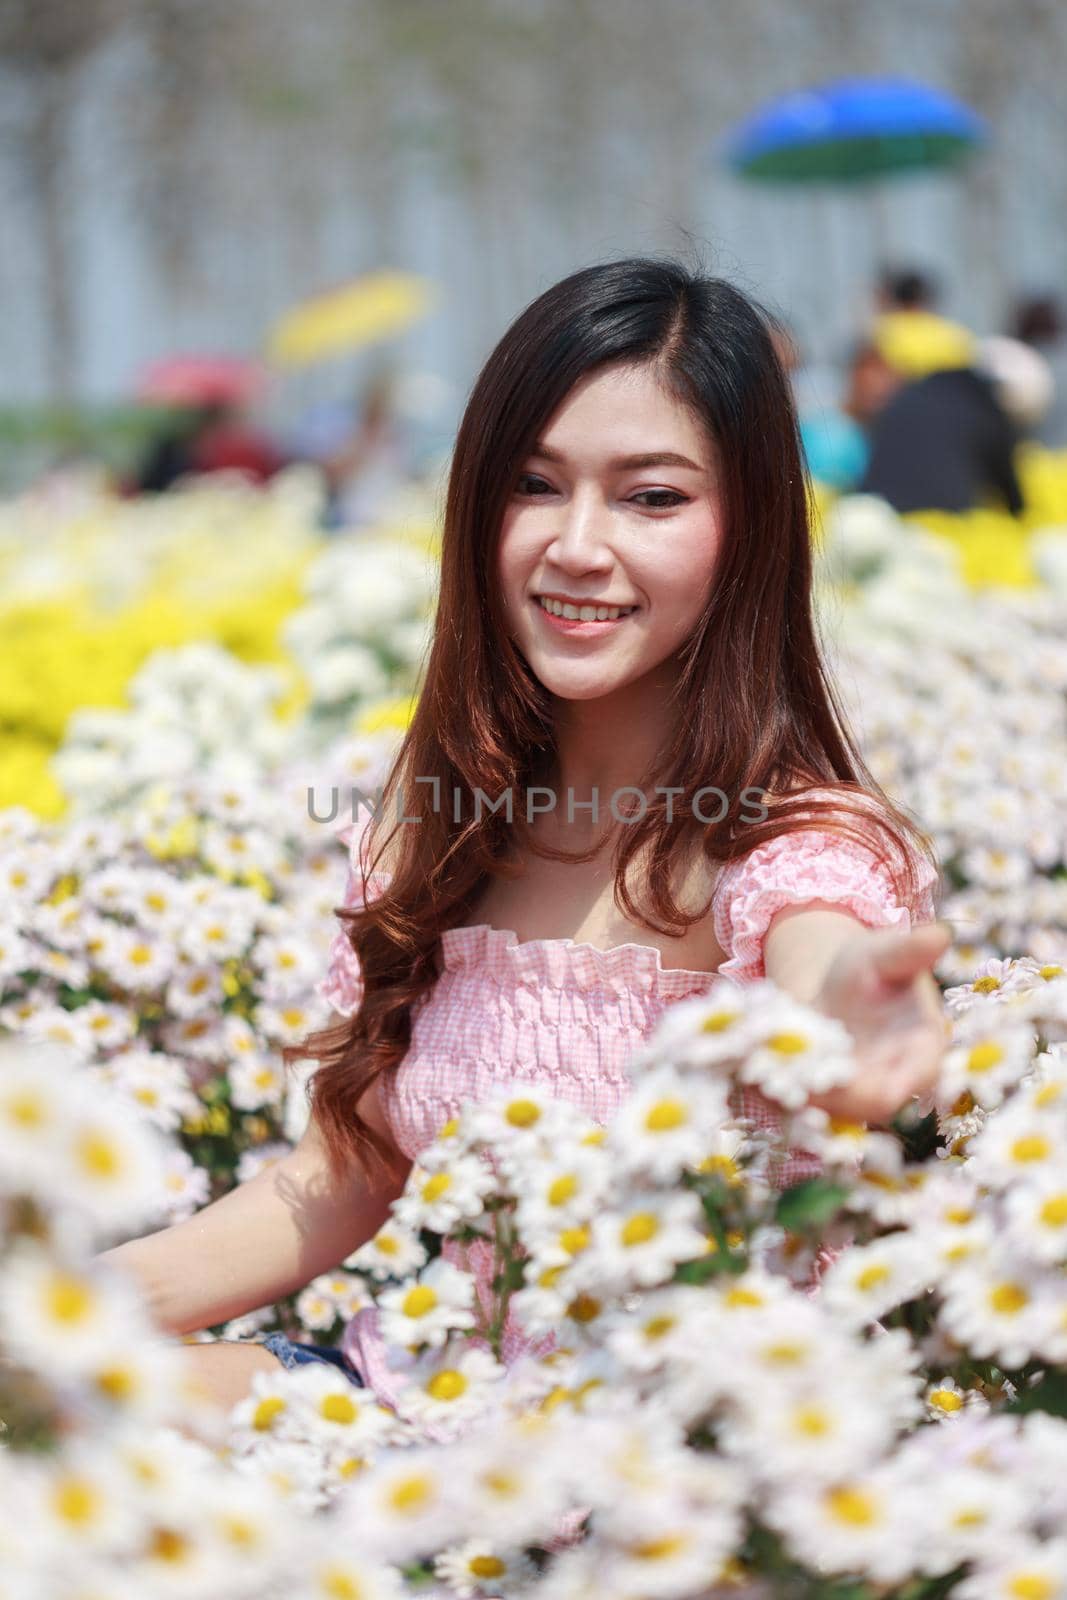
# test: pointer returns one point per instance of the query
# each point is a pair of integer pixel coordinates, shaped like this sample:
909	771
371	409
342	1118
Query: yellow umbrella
370	308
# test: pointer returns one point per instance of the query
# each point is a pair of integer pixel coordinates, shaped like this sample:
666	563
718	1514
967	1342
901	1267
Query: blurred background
176	174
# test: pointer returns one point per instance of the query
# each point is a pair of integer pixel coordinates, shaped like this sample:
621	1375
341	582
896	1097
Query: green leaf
1049	1395
810	1205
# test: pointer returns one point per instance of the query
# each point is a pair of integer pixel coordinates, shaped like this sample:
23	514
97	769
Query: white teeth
559	608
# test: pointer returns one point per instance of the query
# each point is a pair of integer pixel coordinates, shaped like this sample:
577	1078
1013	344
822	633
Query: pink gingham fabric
565	1015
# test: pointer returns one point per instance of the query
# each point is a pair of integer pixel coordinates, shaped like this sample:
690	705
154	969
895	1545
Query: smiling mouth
583	613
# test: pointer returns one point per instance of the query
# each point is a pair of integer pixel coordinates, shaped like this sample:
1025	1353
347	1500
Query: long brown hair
753	708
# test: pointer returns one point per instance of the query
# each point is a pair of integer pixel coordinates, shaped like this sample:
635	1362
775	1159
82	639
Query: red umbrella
200	381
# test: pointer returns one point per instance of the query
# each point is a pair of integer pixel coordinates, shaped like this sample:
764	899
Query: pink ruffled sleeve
342	987
808	864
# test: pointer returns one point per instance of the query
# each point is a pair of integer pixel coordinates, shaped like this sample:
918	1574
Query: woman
624	608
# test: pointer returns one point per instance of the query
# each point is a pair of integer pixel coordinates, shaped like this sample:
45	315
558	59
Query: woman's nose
582	532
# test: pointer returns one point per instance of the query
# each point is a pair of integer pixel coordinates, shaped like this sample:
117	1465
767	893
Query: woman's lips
576	625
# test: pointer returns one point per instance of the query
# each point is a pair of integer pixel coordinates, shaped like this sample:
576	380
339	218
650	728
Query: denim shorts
291	1354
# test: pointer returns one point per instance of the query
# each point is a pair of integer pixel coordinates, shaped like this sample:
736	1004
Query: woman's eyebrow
650	458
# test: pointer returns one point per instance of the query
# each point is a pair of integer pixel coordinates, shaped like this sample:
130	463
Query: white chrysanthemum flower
642	1242
827	1428
1019	1142
267	1408
341	1575
1037	1217
316	1310
79	1503
709	1031
255	1082
667	1122
515	1477
287	964
516	1113
110	1026
993	1306
426	1311
17	954
214	932
945	1399
156	1085
452	1191
561	1191
328	1406
405	1507
107	1167
669	1550
869	1280
35	1090
186	1185
64	1320
989	1056
1022	1569
245	1525
194	990
796	1053
289	1022
859	1524
450	1386
480	1568
138	959
55	1025
661	1328
393	1252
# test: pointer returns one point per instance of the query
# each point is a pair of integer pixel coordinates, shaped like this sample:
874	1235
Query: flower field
852	1388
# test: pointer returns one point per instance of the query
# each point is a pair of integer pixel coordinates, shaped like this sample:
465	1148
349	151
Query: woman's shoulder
816	859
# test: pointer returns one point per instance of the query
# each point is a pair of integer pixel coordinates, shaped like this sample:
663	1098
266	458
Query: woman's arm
877	982
259	1242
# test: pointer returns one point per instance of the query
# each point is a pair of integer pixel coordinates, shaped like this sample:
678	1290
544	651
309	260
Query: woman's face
617	506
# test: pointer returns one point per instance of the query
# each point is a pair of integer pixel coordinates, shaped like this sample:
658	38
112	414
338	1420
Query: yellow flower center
584	1308
946	1400
639	1228
447	1385
1054	1211
410	1494
665	1115
719	1021
1008	1298
984	1057
787	1044
562	1189
851	1506
69	1299
574	1240
75	1500
522	1113
658	1549
872	1276
419	1301
812	1421
1031	1586
98	1156
985	985
339	1408
1035	1147
486	1567
266	1411
436	1186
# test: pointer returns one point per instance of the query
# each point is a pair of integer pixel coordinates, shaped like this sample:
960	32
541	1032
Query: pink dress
566	1015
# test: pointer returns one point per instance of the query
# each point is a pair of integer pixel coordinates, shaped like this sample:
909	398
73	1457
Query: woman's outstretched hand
880	987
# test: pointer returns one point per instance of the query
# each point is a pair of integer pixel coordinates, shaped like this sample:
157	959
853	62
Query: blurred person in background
362	451
905	289
945	441
1038	321
216	437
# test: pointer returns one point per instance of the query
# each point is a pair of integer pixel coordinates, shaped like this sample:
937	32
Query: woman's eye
528	478
662	499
